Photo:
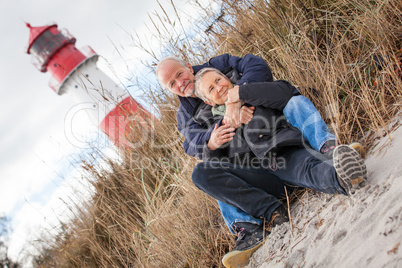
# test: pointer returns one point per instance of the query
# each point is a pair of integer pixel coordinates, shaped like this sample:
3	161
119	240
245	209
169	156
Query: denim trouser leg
254	191
309	169
232	215
302	114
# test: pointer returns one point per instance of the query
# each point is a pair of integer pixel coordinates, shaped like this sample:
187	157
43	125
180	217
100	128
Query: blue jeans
252	193
302	114
232	215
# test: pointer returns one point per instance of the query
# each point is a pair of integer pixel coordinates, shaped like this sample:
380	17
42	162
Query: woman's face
215	87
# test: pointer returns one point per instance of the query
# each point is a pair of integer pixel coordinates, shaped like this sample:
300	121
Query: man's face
177	78
215	87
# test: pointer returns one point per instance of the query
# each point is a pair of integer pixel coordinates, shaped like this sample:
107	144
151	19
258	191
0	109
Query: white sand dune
364	230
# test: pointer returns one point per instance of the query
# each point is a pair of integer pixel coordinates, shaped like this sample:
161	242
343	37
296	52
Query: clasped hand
236	114
225	133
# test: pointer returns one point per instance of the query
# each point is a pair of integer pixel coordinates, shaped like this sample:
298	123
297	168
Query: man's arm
251	68
195	134
273	95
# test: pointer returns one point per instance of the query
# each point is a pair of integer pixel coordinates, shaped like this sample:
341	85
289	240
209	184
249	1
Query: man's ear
190	67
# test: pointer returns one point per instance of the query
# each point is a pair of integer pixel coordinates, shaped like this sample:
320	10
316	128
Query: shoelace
241	234
326	149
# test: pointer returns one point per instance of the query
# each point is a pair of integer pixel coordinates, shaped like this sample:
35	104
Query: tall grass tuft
346	50
145	211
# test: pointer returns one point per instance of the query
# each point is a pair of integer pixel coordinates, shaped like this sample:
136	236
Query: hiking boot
359	148
250	237
327	149
279	216
350	168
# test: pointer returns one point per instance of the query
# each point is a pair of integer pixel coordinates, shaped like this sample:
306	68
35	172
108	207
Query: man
178	77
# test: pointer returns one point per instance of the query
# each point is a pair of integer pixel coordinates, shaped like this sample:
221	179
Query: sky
37	158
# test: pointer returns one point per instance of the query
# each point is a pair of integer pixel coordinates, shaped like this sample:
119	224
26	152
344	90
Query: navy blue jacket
251	68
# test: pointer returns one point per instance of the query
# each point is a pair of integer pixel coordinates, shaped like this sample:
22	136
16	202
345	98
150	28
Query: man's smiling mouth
183	88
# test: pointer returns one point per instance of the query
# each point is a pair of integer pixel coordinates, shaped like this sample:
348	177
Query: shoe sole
237	258
350	168
359	148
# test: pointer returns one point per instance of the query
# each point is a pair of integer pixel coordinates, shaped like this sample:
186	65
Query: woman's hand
246	114
220	135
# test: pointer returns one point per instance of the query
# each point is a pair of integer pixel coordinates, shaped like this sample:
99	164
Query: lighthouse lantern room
75	73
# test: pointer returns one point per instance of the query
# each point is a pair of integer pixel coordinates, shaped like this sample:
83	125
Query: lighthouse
75	73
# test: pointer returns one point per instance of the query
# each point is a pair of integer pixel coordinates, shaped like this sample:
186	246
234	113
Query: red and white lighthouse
74	72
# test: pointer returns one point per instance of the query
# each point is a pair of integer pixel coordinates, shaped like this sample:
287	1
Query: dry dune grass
145	211
327	45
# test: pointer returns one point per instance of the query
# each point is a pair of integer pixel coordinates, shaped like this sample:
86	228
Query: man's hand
220	135
246	114
233	95
232	115
233	105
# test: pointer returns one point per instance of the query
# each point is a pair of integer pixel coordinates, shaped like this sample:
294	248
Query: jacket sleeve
213	155
251	68
274	95
195	134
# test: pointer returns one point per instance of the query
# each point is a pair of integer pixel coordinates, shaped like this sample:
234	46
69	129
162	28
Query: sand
363	230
